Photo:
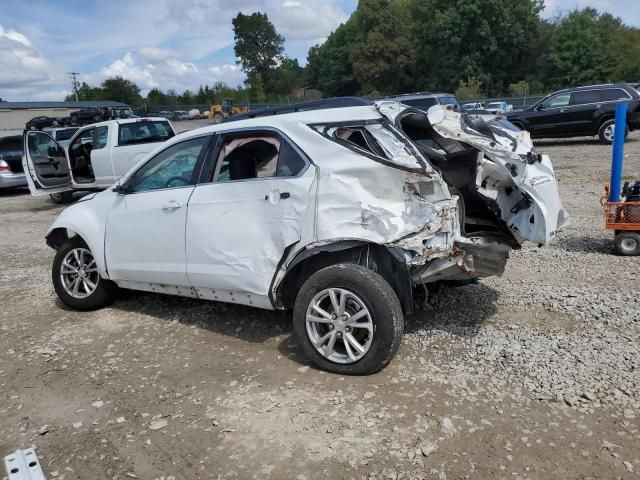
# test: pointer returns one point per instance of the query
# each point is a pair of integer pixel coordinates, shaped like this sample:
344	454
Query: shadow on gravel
245	323
13	192
460	311
586	244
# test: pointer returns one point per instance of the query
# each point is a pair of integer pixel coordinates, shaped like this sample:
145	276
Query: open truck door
46	164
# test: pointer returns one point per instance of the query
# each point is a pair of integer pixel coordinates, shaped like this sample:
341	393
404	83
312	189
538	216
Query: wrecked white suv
339	212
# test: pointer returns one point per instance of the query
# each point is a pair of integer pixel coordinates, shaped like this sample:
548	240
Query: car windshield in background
421	103
144	132
65	134
494	105
449	101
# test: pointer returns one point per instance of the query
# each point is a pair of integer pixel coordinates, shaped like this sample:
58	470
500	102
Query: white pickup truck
95	157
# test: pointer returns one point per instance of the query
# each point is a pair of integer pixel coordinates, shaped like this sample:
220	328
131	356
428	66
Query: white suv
338	213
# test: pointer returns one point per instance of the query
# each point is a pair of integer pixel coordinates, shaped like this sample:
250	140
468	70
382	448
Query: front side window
42	146
557	101
262	155
172	168
144	132
100	137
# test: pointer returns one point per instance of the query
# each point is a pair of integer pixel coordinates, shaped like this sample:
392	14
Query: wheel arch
60	232
385	260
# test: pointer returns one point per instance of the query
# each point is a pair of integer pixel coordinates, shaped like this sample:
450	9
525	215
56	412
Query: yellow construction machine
224	109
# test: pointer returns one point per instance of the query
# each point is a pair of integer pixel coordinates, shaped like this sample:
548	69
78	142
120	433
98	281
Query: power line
74	83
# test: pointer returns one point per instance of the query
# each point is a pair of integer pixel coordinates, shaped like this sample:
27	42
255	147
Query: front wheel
62	197
218	118
348	319
76	279
606	132
628	243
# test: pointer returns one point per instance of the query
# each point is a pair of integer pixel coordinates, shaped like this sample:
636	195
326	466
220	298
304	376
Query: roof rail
336	102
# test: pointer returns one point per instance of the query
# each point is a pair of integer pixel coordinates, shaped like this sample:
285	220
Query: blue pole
618	150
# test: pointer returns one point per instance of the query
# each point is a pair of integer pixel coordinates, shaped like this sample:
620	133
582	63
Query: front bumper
12	180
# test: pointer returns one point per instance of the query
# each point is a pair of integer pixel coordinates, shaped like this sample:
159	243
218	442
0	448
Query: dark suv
580	111
90	115
425	100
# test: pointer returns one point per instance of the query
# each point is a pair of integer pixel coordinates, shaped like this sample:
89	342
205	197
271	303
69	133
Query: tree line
475	48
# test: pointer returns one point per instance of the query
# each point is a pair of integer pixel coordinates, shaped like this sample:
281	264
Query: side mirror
123	187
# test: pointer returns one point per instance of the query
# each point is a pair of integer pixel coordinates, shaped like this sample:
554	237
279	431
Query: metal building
14	115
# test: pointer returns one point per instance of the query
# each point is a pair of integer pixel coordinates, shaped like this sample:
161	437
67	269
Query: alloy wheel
339	325
79	273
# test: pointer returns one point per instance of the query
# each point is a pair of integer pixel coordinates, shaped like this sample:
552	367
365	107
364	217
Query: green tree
587	47
287	77
86	92
329	66
471	89
383	59
156	97
256	88
258	47
122	90
520	88
487	39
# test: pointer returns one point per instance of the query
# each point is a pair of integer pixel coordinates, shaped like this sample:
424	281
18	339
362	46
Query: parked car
61	135
120	112
90	115
38	123
580	111
336	213
180	115
473	106
164	114
499	107
425	100
95	157
11	170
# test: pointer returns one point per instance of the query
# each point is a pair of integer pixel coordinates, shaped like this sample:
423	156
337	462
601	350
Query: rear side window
378	142
584	97
144	132
613	94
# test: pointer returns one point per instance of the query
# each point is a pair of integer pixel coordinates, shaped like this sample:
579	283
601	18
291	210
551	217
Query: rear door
580	112
45	163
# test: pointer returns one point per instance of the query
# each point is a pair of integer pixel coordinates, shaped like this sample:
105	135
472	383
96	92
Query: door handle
171	205
276	194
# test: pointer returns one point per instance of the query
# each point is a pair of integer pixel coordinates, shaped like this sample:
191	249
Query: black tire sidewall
380	300
624	235
102	295
602	128
64	197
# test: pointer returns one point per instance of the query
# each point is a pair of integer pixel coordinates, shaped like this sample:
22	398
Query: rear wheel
628	243
607	131
76	279
62	197
348	319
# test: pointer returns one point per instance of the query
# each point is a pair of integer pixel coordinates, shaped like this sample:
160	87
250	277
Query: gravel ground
532	375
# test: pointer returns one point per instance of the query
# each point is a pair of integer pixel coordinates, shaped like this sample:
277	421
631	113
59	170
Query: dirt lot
532	375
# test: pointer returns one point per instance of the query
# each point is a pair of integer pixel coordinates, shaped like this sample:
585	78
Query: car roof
591	87
416	95
121	121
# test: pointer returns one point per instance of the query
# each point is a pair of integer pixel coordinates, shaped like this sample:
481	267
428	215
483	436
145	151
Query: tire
628	243
365	292
605	132
218	118
62	197
101	295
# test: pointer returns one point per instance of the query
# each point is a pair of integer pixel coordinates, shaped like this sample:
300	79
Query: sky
166	44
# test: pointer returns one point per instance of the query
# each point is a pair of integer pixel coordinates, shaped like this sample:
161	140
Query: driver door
145	234
47	166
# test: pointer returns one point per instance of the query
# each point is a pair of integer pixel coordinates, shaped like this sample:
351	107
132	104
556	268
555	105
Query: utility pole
74	83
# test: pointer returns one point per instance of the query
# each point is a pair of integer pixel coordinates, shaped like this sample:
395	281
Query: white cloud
229	73
20	62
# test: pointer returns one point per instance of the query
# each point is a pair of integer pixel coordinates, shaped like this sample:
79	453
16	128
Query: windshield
421	103
449	101
144	132
65	134
494	105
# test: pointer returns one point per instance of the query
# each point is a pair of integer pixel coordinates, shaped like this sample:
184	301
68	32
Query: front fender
86	219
